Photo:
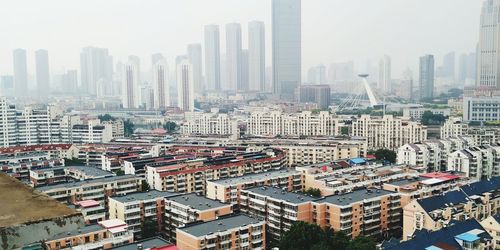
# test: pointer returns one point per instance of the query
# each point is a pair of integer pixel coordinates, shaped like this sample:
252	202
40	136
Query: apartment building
191	176
481	108
369	212
475	200
235	232
229	189
480	162
86	172
181	210
306	123
197	123
21	169
95	189
416	113
432	154
136	208
104	235
468	234
388	131
92	211
484	134
492	226
117	128
453	127
278	207
46	176
53	151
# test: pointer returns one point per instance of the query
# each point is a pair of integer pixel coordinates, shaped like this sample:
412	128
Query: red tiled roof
45	147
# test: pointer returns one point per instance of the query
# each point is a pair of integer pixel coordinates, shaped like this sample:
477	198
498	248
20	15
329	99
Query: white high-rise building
256	56
244	71
160	85
95	64
42	72
212	57
384	74
130	85
488	64
20	72
194	56
287	47
7	123
233	56
185	91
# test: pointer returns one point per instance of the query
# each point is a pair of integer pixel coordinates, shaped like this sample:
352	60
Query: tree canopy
385	155
305	236
106	117
428	118
315	192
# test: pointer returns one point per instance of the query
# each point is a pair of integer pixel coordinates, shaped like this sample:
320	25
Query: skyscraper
287	51
20	72
426	77
156	57
233	56
42	72
160	85
448	69
130	85
212	57
185	91
256	56
384	74
244	71
194	56
488	65
95	64
317	74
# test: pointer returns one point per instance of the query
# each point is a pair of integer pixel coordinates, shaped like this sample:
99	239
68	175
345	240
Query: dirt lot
21	204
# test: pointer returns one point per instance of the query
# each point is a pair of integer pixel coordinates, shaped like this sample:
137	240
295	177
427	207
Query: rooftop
69	185
355	196
148	243
220	225
404	182
278	193
256	177
140	196
91	171
197	202
80	231
23	204
441	201
481	187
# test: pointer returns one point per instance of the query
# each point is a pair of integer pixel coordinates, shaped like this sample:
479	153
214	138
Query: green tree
145	186
128	127
170	126
119	172
106	117
362	243
315	192
429	118
344	131
302	236
73	162
386	155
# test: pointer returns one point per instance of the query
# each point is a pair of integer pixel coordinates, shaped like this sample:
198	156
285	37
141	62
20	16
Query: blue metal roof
481	186
435	202
433	248
357	161
425	239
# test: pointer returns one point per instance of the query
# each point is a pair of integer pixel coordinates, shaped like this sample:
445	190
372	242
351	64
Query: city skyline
341	42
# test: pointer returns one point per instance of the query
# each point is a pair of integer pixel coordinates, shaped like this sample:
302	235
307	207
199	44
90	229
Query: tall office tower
448	69
212	57
287	50
137	61
160	85
317	74
244	71
426	77
20	72
6	85
343	71
95	64
233	56
70	81
130	85
185	91
156	57
147	97
384	74
408	82
472	65
42	72
256	56
488	64
462	68
194	56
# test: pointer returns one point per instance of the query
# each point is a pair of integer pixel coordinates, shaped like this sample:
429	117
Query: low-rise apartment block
235	232
136	208
92	211
492	226
181	210
388	131
197	123
228	190
104	235
95	189
476	200
480	163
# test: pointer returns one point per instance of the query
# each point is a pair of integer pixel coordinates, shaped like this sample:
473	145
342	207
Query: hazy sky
332	30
